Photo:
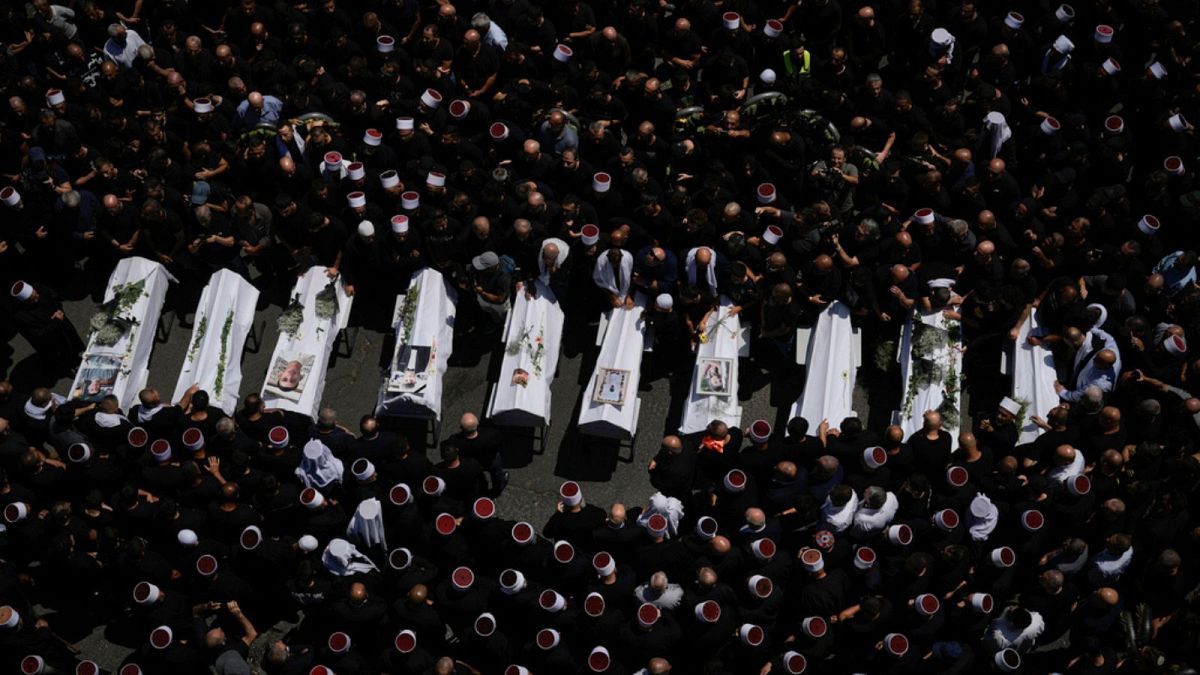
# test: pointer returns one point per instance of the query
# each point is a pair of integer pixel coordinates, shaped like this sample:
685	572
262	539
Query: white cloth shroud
433	327
530	320
722	330
1033	377
226	293
621	349
831	369
319	467
928	397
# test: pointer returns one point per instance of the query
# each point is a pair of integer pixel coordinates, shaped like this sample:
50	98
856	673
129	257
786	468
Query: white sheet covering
314	338
532	340
911	419
227	297
723	331
1033	379
132	350
622	348
832	368
432	328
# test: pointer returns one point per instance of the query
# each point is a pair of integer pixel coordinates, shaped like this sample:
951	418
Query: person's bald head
658	666
255	99
985	249
996	166
618	238
111	202
732	210
904	239
707	576
933	420
755	517
609	33
672	444
418	594
550	252
469	423
444	666
1106	597
786	470
1073	336
1064	454
1110	415
895	434
616	513
823	263
683	25
776	261
719	545
966	441
287	165
704	255
1051	581
827	463
358	592
986	219
193	43
471	38
899	274
1106	358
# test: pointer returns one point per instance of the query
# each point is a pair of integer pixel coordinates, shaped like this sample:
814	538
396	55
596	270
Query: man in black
40	319
483	444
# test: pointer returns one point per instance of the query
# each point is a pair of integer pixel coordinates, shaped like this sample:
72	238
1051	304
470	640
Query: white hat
15	512
767	76
751	635
79	453
404	123
187	538
1032	520
160	450
1103	34
957	476
648	615
927	604
362	468
1178	122
1014	20
405	641
357	200
812	560
548	638
22	291
251	538
773	28
731	20
485	624
1079	485
1050	126
946	519
657	525
552	601
366	229
593	604
431	98
400	224
941	37
373	137
1158	70
33	665
1174	165
206	565
563	53
735	480
162	637
55	97
400	494
400	558
604	564
994	118
522	532
570	493
389	179
1113	124
590	234
1012	406
130	669
435	179
601	182
865	557
202	105
814	627
794	663
483	508
511	581
664	301
766	193
896	644
1003	556
564	552
923	216
1063	45
1065	13
1007	660
338	642
385	44
410	200
498	131
459	108
308	543
763	549
1111	66
874	457
599	659
10	196
14	617
277	437
1175	345
706	527
193	439
433	486
773	234
708	611
311	498
332	162
899	534
982	602
1149	224
462	577
356	171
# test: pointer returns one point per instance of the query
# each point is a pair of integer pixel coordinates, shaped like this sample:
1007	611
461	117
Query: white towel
146	414
109	420
868	520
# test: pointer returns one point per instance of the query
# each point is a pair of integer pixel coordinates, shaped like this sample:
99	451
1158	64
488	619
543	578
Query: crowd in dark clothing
991	161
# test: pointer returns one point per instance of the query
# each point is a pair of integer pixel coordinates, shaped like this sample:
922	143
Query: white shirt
496	37
868	520
126	55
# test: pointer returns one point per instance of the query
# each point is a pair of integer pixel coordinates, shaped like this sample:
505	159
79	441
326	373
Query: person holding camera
836	180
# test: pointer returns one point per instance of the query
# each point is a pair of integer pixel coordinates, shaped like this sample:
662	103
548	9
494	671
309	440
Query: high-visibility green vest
793	69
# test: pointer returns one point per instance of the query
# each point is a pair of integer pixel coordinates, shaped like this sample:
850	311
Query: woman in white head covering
319	467
995	129
983	517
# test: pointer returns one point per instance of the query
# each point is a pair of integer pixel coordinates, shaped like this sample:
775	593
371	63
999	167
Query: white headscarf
319	467
146	414
867	520
982	526
839	518
669	507
1062	474
366	527
342	559
996	127
945	40
1110	565
563	251
604	277
109	420
710	276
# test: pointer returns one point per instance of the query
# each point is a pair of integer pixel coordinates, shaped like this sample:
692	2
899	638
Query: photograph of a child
96	378
713	376
289	376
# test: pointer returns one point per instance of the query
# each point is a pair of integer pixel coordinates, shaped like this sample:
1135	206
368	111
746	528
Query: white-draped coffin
424	343
222	321
1033	379
532	340
121	369
831	369
622	348
310	347
947	356
721	341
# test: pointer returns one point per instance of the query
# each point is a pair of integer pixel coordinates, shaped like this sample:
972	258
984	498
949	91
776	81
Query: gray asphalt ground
607	472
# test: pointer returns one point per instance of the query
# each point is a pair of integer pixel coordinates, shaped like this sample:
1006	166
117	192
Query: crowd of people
992	161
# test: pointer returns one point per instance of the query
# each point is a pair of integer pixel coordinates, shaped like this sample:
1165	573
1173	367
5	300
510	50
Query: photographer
835	179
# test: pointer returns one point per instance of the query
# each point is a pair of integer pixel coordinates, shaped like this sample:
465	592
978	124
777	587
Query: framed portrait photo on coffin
289	375
611	385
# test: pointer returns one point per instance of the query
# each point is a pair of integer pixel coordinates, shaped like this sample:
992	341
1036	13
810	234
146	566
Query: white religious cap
751	634
552	601
193	439
433	486
766	193
356	171
812	560
547	639
206	565
657	525
874	457
773	28
308	543
1174	165
251	537
1178	122
1175	345
760	431
773	234
1104	34
373	137
1003	556
435	179
1014	20
400	224
735	480
1113	124
385	44
1007	660
599	659
55	97
767	76
202	105
339	642
389	179
22	291
865	557
593	604
706	527
445	524
564	552
366	229
146	593
400	558
1012	406
459	108
431	98
1032	520
10	196
1079	485
278	437
563	53
15	512
405	641
604	564
590	234
1065	13
79	453
1158	70
601	182
946	519
362	468
648	614
982	602
794	663
1111	66
356	200
923	216
927	604
311	498
485	624
498	131
410	200
187	538
570	493
404	123
33	665
995	118
161	637
896	644
664	301
763	549
1050	126
941	36
731	20
1149	224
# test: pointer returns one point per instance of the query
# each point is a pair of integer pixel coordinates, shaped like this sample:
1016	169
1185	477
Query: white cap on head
1175	345
1178	122
1050	126
311	498
1014	20
812	560
79	453
760	431
981	602
14	617
385	44
751	635
664	301
362	468
604	564
366	229
773	28
941	37
187	538
1007	660
657	525
55	97
767	76
459	108
10	196
1103	34
33	665
773	234
308	543
1111	66
766	193
1149	224
146	593
356	171
1011	405
1174	165
404	123
1114	124
373	137
400	224
924	216
498	131
22	291
1065	13
601	182
202	106
431	98
563	53
731	20
590	234
389	179
1158	70
874	457
193	439
435	179
410	200
356	200
995	119
15	512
